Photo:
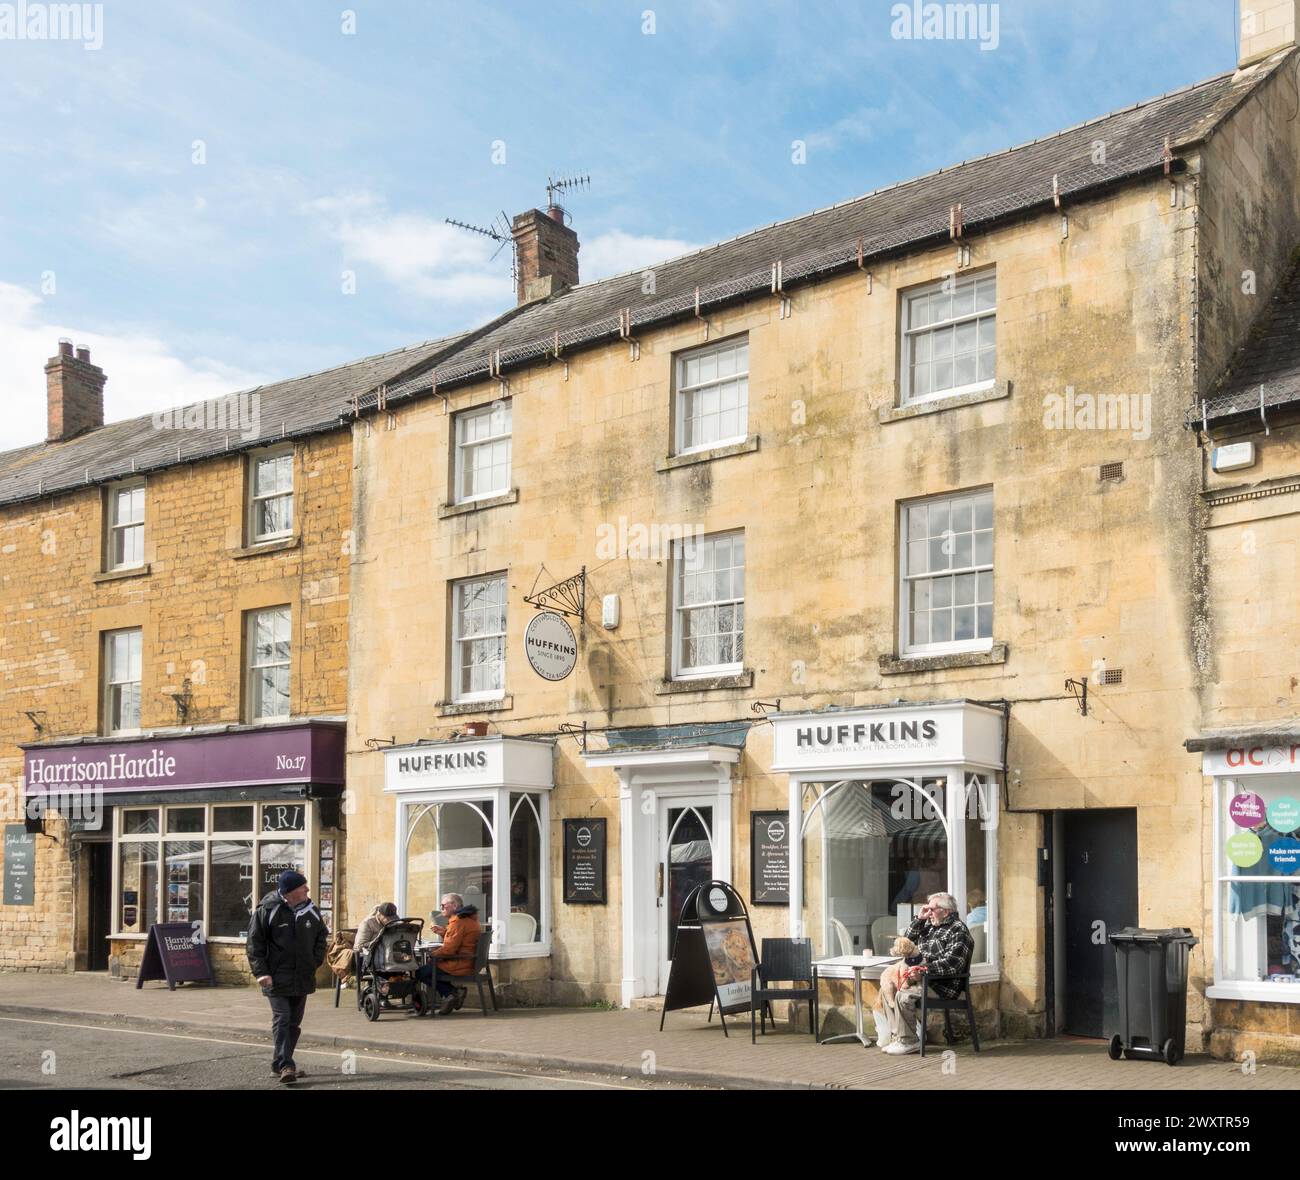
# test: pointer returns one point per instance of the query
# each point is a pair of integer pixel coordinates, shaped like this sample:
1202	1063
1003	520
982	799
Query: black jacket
289	950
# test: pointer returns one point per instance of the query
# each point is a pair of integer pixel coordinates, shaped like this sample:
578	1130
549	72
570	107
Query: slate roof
1266	367
286	409
889	221
893	220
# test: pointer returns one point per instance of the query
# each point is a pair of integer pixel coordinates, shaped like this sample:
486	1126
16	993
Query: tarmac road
61	1054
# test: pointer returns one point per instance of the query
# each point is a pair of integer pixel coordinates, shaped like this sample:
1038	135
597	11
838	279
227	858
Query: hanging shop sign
584	862
769	857
20	865
551	646
175	954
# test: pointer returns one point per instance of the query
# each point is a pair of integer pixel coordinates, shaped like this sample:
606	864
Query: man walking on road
286	946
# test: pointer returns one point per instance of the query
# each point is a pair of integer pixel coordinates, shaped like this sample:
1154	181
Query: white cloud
614	252
143	373
418	255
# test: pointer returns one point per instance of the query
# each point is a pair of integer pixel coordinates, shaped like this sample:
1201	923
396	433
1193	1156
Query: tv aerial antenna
499	232
557	186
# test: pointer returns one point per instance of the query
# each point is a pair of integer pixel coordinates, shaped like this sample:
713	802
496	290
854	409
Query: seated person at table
946	946
371	928
456	955
979	910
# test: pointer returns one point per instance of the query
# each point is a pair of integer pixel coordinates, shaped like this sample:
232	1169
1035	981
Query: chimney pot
74	393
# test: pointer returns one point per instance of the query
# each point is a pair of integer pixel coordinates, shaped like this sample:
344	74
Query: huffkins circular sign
550	646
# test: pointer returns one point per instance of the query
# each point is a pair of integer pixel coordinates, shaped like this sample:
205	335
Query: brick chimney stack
547	254
74	393
1266	27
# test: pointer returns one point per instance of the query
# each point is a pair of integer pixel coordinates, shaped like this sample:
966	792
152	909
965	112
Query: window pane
963	623
941	627
185	877
138	886
983	548
525	871
232	885
232	819
963	299
984	511
986	293
185	819
871	851
449	851
981	798
136	823
283	817
274	856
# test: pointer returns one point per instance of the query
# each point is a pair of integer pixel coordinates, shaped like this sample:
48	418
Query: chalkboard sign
584	862
20	866
174	954
769	861
713	954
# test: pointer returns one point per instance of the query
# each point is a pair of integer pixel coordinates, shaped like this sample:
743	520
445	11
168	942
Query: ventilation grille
1111	471
1113	676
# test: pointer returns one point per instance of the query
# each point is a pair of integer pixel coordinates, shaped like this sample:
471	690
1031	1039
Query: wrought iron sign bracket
1079	690
375	743
578	732
568	597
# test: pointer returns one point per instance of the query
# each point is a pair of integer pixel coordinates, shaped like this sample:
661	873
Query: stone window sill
672	462
266	547
136	571
743	679
976	397
467	708
446	510
896	666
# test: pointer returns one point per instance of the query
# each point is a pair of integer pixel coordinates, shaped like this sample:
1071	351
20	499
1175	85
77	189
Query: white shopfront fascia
662	774
473	771
1226	766
948	740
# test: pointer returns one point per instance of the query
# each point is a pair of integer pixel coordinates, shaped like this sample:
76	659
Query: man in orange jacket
456	955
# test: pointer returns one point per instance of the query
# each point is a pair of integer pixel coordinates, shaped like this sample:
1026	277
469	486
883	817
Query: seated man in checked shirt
946	945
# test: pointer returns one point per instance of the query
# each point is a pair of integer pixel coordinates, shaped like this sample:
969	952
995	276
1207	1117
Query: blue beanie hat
290	880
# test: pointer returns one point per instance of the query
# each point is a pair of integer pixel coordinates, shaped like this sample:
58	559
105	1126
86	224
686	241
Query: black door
100	857
1100	897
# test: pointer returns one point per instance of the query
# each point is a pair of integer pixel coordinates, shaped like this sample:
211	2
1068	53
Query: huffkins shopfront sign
943	734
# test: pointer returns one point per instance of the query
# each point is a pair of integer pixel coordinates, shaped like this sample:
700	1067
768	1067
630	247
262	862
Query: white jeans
902	1016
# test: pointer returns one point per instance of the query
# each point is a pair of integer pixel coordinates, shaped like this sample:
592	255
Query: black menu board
584	862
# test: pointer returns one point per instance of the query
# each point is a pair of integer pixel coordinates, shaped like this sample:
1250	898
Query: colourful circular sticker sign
1247	810
1284	814
1284	855
1244	849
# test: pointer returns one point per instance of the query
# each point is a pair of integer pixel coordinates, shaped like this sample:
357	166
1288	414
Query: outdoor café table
858	964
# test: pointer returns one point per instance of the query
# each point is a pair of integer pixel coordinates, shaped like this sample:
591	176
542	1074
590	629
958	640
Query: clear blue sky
328	151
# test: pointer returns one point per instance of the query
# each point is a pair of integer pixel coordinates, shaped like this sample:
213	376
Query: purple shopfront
191	828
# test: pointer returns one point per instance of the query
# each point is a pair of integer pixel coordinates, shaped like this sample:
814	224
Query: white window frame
682	391
251	666
958	780
255	498
908	336
1224	986
113	682
411	807
501	416
680	670
114	527
308	835
906	647
457	640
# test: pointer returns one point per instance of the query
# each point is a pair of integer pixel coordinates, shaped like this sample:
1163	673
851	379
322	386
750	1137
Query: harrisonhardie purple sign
275	755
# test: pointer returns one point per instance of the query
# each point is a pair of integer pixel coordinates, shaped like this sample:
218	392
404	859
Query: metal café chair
785	961
961	1002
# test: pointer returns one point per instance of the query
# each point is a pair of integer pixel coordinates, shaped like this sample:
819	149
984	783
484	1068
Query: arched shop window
456	846
873	851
